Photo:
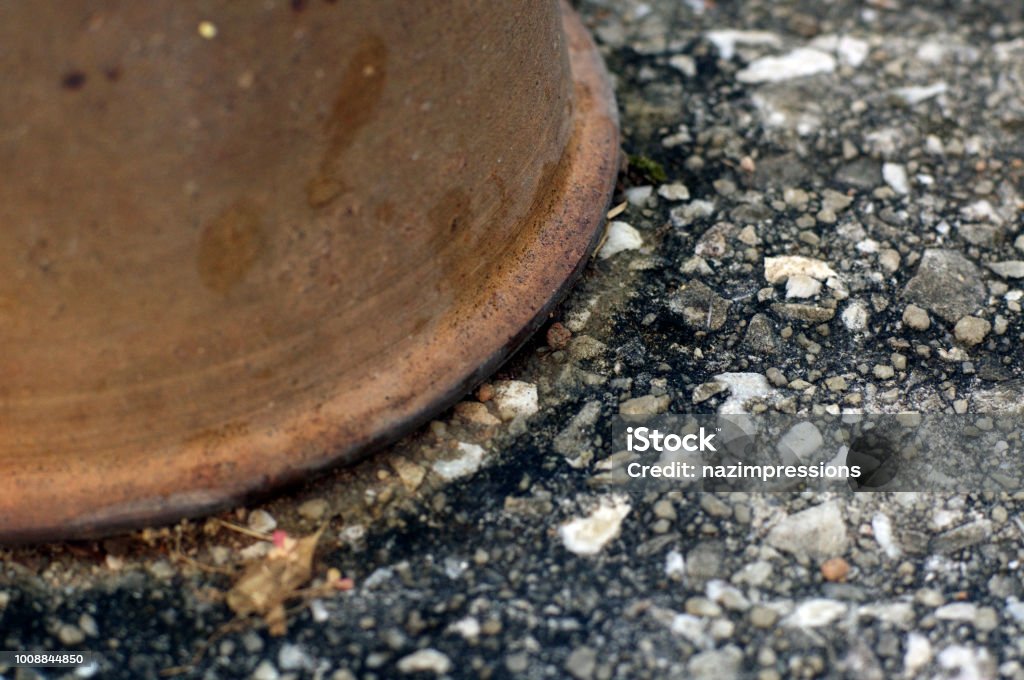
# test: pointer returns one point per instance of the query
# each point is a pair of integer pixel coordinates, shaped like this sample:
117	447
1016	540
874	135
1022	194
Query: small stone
261	521
515	398
895	175
800	443
470	458
799	312
558	336
409	472
986	619
638	195
818	532
70	635
836	383
588	535
916	94
702	606
700	307
946	283
716	664
777	377
621	237
684	63
469	628
835	570
676	191
971	330
779	269
763	617
957	611
581	663
164	569
755	574
916	318
802	286
889	260
292	657
815	613
573	441
646	405
835	201
748	236
961	537
726	40
799	63
760	336
696	265
675	565
427	660
583	347
856	316
664	509
314	509
918	654
517	663
265	670
705	391
86	622
476	412
883	372
714	506
861	173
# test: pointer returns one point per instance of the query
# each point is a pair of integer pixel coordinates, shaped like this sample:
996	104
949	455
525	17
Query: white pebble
638	196
515	398
727	40
855	316
815	613
675	564
262	521
918	654
882	529
799	63
779	269
916	95
588	535
425	661
676	191
466	464
621	236
800	443
802	286
895	175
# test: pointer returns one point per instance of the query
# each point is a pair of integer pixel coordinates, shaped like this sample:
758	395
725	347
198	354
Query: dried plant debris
268	584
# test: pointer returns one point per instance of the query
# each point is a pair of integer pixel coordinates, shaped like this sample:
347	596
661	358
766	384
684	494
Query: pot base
95	490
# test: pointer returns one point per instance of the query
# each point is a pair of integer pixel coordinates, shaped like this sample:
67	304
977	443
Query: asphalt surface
823	216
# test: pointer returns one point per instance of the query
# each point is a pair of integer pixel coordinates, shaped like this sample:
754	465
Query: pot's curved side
498	257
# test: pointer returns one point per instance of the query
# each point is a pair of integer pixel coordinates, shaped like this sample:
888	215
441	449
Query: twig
242	530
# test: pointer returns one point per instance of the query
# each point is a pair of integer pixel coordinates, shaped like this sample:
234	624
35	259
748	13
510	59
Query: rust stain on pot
451	211
362	86
229	246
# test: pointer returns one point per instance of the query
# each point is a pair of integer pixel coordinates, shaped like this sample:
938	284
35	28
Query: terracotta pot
244	242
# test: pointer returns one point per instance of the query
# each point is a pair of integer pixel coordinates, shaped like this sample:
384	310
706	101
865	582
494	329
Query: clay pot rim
573	219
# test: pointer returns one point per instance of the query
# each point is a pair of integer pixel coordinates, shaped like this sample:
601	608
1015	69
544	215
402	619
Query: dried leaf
266	585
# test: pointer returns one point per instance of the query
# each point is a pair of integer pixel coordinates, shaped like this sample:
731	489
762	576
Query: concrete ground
881	140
